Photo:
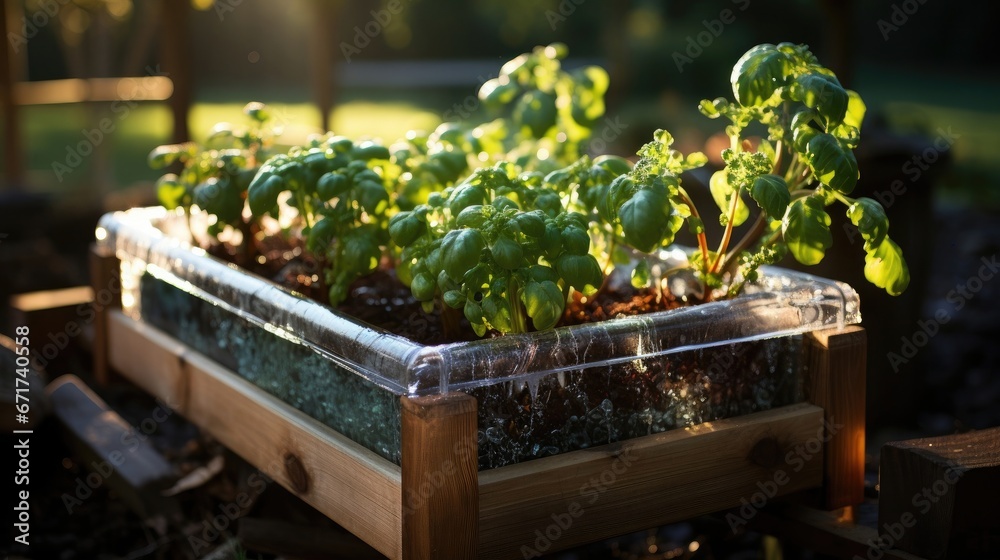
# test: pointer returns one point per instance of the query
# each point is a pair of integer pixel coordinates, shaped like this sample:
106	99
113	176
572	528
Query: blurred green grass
54	135
911	102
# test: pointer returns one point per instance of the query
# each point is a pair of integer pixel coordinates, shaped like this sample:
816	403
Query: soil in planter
380	299
578	409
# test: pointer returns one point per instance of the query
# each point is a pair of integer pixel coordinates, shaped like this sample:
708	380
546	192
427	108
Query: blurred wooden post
13	160
440	479
839	40
105	279
176	63
324	43
836	360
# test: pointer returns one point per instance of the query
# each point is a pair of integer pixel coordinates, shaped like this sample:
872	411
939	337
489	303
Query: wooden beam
440	482
566	500
346	482
324	43
112	452
77	90
54	317
938	496
149	358
13	154
105	280
836	362
177	63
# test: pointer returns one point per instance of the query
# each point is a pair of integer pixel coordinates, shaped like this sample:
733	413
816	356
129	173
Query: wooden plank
149	358
111	451
13	151
91	90
52	299
105	279
346	482
440	482
566	500
938	496
836	361
55	318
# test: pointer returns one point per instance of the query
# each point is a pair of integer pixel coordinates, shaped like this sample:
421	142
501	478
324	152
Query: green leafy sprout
215	176
500	219
805	164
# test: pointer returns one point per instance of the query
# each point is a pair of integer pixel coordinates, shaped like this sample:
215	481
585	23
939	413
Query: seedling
805	164
341	199
499	248
215	176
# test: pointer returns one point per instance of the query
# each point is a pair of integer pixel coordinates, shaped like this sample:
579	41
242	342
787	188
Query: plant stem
519	323
779	151
729	229
702	239
744	243
611	257
735	289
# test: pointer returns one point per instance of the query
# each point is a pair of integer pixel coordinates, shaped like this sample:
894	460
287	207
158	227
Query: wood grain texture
149	358
440	480
112	451
836	362
558	502
346	482
105	280
938	496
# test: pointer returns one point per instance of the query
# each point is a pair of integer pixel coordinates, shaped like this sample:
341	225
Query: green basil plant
500	218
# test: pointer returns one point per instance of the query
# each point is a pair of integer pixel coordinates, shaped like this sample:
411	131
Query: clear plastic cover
152	242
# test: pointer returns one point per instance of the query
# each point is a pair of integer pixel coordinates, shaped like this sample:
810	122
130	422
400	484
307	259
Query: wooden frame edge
322	467
836	359
440	486
554	503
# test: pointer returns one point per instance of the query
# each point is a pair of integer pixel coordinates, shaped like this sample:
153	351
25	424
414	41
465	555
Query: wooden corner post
106	282
440	481
836	361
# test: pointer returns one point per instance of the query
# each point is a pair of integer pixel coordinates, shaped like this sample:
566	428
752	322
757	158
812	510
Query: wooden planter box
441	500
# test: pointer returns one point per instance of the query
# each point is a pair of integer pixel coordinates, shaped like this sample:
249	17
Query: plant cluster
501	220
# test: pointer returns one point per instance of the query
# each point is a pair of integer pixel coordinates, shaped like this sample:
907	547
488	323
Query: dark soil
380	299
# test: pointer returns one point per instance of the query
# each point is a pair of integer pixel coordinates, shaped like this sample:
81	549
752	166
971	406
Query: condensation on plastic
153	241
